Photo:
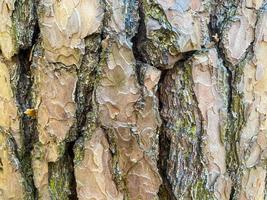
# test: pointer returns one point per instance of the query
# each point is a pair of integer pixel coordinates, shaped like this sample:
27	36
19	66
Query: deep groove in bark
221	15
234	123
27	123
84	97
85	90
165	191
88	75
139	36
24	18
232	194
29	27
61	176
73	184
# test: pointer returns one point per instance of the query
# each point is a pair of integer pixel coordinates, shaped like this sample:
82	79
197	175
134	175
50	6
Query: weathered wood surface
133	99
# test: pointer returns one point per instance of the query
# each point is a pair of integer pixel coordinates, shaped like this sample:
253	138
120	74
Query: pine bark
133	99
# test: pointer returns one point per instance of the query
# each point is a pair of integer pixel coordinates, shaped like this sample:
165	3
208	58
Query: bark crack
86	114
28	128
166	190
235	107
152	32
139	38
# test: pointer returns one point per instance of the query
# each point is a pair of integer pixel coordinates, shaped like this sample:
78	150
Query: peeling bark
133	99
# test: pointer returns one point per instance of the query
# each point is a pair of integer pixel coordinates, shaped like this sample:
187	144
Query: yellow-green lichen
200	192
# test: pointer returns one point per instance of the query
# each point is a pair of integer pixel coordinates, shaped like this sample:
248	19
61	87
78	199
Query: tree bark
133	99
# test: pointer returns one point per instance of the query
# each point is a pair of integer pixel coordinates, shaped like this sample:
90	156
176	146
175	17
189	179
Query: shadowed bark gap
62	184
27	124
133	99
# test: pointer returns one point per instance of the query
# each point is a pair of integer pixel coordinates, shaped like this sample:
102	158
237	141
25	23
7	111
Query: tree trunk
133	99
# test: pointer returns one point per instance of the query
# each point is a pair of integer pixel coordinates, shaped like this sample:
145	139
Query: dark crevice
61	179
165	191
187	135
73	184
232	194
69	160
36	34
27	32
88	74
27	123
234	123
230	144
84	127
142	59
216	28
24	19
140	36
236	114
137	42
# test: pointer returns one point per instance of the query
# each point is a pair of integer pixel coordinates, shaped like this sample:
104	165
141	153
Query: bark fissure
133	99
28	123
165	190
139	38
233	130
190	134
61	179
236	120
24	96
25	23
89	73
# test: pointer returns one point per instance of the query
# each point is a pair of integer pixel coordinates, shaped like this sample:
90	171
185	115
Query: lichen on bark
133	99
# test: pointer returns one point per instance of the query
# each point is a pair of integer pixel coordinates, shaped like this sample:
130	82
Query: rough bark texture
133	99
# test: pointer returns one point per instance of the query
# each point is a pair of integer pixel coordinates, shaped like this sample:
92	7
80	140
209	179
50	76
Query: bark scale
133	99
